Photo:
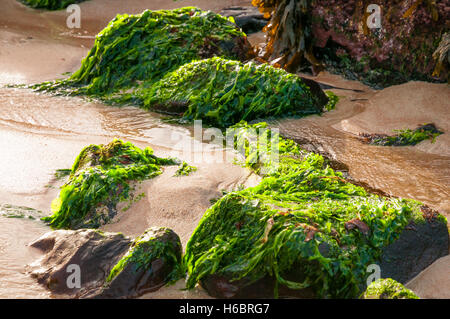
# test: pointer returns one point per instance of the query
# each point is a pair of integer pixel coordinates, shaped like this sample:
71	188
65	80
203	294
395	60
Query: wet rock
418	246
94	254
153	260
249	19
337	35
415	250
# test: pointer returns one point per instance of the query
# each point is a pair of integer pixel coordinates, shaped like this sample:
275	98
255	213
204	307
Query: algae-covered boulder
388	289
99	179
137	50
223	92
153	260
78	263
304	230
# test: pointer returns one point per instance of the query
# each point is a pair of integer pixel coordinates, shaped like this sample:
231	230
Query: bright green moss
388	289
137	50
100	179
149	247
302	212
50	4
222	92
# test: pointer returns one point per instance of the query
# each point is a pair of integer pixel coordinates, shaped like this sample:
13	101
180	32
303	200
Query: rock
102	176
388	289
153	260
249	19
305	231
95	254
418	246
134	51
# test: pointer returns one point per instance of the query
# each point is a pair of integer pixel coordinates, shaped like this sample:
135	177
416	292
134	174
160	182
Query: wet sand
41	133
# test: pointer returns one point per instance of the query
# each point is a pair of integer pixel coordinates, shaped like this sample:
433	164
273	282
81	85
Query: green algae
223	92
99	179
405	137
302	213
333	99
185	169
388	289
185	62
137	50
50	4
147	248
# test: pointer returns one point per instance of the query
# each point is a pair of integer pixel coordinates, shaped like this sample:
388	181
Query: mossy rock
50	4
137	50
153	260
100	178
303	231
388	289
223	92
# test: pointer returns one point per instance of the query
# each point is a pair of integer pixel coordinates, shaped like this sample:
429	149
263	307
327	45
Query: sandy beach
40	133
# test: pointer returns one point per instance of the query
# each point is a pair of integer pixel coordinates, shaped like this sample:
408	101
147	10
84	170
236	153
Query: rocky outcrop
339	35
79	263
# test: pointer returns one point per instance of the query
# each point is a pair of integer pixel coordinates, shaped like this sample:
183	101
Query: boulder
305	231
90	256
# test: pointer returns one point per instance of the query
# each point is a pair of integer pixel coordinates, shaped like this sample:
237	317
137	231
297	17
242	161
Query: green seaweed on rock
137	50
50	4
302	213
100	178
388	289
223	92
147	248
